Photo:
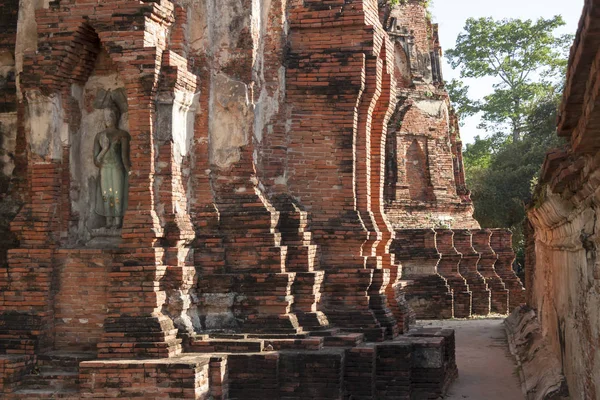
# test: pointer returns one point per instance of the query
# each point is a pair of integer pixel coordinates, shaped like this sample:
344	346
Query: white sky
452	14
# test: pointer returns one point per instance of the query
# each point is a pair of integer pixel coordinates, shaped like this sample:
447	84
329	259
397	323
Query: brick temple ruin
233	200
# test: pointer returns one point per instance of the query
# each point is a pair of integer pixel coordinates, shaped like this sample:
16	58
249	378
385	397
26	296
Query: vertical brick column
369	113
176	103
448	268
463	242
427	292
175	125
380	124
208	247
481	244
501	243
334	86
136	325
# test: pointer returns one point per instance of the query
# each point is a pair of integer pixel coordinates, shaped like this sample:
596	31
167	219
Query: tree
501	173
526	58
459	94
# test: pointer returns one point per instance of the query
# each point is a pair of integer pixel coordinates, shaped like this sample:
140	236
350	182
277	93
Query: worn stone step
326	332
33	394
63	359
313	343
226	346
344	340
300	335
52	379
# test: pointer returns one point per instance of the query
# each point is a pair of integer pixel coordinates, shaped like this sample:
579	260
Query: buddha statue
111	156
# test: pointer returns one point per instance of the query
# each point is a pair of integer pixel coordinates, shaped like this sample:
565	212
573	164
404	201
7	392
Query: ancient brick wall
448	262
259	137
562	268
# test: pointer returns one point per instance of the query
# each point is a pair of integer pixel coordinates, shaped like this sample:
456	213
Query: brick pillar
334	85
380	123
177	104
481	244
427	291
463	242
136	325
449	269
501	243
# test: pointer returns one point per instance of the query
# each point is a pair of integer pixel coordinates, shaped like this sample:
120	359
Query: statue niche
111	157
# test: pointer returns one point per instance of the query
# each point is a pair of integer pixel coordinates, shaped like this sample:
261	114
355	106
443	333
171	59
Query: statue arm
125	153
97	151
100	150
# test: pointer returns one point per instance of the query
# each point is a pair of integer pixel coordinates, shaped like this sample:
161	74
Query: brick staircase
56	376
255	343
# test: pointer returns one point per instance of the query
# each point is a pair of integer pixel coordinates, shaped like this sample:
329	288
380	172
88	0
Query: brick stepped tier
449	269
301	259
501	243
431	382
431	297
244	343
337	338
427	292
55	376
419	365
324	364
481	244
463	242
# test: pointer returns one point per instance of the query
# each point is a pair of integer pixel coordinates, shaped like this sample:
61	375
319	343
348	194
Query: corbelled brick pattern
463	242
458	273
501	243
427	291
449	269
486	266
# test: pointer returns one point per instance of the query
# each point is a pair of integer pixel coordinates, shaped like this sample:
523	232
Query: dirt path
485	367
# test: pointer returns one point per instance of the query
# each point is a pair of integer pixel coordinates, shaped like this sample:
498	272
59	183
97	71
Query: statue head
112	116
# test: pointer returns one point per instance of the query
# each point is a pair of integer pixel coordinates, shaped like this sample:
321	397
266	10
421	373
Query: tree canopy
527	62
525	58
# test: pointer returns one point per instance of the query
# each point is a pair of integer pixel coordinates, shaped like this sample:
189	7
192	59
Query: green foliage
459	93
526	59
501	172
427	3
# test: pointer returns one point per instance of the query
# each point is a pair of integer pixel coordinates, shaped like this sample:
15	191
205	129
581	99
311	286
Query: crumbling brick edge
539	370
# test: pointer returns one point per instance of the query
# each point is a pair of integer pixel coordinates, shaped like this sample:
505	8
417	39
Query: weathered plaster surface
566	289
231	120
48	131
